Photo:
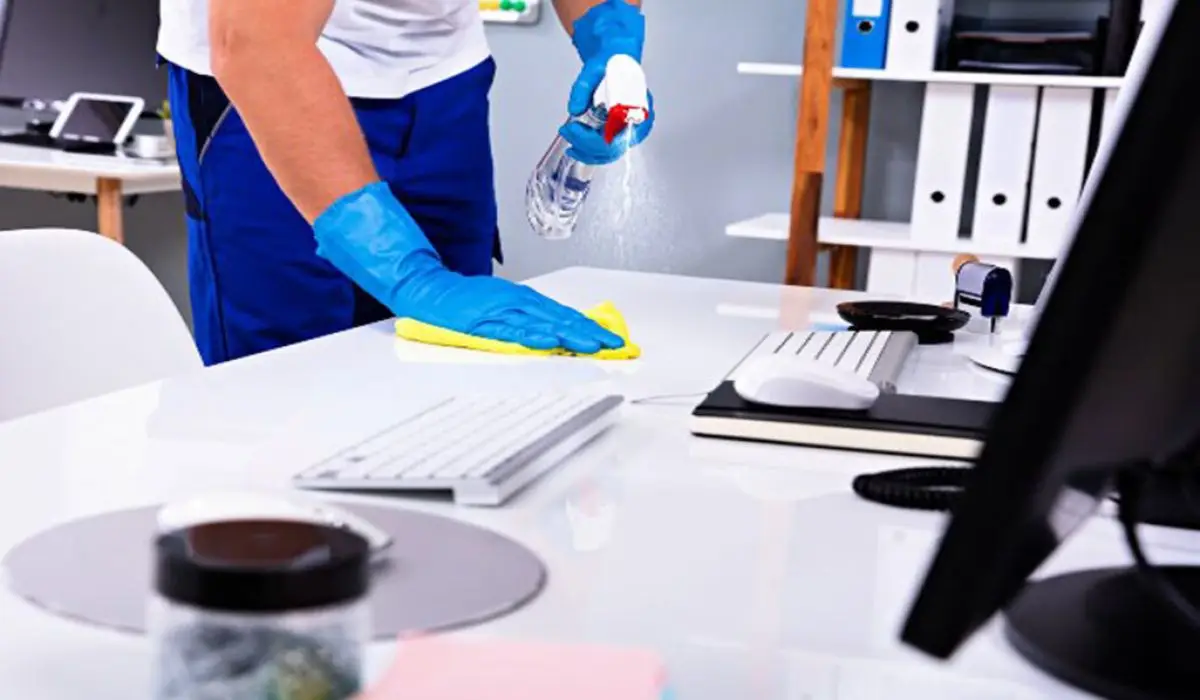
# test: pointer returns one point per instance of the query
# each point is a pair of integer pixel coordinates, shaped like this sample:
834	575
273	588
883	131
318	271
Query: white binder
942	161
1004	164
891	272
916	31
1058	167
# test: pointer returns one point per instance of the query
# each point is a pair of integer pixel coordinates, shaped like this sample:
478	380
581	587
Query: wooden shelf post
851	171
812	130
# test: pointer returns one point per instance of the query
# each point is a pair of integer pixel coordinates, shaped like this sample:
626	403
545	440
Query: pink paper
443	669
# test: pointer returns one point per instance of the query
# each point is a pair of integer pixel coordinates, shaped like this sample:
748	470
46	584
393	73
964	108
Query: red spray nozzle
619	117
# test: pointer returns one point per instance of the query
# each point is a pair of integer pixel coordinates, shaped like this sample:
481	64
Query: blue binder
864	40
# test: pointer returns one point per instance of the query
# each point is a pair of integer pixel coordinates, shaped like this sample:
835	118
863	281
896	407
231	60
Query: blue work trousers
256	281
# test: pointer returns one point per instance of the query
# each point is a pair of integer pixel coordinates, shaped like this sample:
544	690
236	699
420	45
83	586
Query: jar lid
262	566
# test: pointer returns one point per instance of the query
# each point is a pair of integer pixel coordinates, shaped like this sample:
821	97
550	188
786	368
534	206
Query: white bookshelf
1050	115
903	262
884	235
951	77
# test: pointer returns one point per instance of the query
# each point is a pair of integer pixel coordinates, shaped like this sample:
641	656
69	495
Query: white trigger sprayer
560	183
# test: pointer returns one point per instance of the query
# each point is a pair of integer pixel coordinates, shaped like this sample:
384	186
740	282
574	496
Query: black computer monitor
50	49
1106	399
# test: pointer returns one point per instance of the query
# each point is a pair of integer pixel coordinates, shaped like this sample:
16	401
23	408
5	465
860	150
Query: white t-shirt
378	48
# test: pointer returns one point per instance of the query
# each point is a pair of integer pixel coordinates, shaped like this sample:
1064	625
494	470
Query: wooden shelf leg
848	186
110	204
812	130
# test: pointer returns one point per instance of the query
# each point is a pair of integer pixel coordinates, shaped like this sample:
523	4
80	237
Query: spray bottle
560	183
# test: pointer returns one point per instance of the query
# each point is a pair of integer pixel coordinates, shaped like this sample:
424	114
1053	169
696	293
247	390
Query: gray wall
721	151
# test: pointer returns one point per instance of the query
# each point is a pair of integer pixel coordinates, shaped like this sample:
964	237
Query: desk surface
26	167
751	568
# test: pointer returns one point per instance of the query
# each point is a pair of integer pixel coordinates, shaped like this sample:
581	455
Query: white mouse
222	507
793	382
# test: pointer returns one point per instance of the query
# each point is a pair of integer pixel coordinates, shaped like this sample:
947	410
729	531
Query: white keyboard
878	356
483	449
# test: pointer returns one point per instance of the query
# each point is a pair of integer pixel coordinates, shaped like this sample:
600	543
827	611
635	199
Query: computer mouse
224	507
793	382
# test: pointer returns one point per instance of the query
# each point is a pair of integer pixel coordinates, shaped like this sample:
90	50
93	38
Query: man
337	167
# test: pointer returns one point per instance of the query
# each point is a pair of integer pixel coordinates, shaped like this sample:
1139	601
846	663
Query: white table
108	178
751	568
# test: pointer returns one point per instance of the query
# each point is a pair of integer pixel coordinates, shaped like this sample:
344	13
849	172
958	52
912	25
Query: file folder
1004	164
864	39
891	272
933	279
942	161
1064	125
918	30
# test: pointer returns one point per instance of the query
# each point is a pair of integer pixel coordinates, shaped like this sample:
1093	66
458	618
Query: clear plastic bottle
259	609
560	184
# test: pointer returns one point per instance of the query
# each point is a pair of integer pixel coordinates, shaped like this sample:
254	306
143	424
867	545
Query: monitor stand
1106	633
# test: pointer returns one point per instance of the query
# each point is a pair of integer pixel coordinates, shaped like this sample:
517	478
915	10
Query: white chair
81	316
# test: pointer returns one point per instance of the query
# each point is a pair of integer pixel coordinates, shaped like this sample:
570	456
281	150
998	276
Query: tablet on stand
95	123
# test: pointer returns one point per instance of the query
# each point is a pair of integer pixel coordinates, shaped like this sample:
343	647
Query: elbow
223	56
230	51
239	52
239	55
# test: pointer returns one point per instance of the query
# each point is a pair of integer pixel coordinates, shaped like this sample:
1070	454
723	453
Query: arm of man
570	10
265	57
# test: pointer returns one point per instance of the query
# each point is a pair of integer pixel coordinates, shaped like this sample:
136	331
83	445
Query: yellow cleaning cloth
605	314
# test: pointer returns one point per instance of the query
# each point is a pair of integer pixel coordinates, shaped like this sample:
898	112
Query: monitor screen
96	120
51	49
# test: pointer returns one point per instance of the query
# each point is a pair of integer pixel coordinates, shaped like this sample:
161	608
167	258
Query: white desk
109	178
751	568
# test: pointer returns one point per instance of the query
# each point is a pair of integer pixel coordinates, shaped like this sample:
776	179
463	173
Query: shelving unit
885	235
917	252
952	77
510	11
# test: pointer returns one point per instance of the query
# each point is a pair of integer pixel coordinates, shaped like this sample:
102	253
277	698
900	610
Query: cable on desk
917	488
667	399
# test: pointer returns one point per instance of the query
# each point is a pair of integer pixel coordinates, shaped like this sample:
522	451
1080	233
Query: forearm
298	116
571	10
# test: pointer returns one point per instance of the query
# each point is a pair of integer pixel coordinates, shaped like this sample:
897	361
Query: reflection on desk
751	568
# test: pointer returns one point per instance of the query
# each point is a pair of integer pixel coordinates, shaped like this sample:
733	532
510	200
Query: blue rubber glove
610	28
374	241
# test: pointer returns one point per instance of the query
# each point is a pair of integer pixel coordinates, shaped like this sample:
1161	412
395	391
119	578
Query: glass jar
259	610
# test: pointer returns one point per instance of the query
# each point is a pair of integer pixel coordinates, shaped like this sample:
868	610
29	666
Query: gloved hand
374	241
610	28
